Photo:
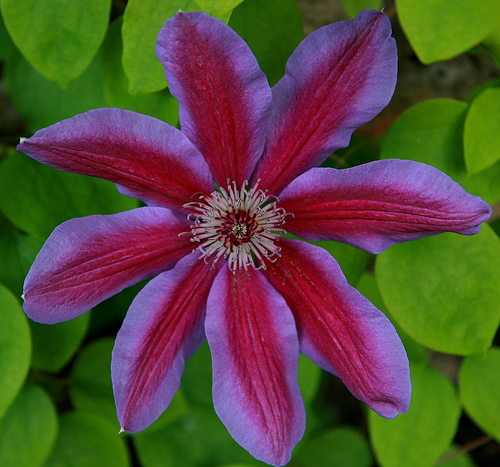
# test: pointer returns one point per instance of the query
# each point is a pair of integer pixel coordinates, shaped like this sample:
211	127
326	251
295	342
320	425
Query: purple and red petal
338	78
163	328
86	260
255	349
148	159
340	330
224	97
376	205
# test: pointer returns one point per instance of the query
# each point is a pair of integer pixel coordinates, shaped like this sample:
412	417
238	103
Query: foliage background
62	57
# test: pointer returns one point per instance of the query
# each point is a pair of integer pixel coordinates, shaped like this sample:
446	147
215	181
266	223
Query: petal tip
389	409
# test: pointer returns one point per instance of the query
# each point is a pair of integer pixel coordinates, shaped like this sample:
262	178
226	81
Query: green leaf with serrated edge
54	345
337	447
28	430
431	132
142	22
17	252
159	104
195	440
87	439
439	30
479	382
443	290
58	37
36	198
91	390
353	7
481	133
41	102
368	287
218	7
272	30
15	345
422	435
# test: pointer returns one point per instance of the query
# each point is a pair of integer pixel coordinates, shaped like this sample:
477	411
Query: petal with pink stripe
89	259
340	330
254	346
163	328
338	78
148	159
376	205
224	97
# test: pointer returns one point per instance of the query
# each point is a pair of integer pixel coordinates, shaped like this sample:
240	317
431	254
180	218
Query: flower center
241	226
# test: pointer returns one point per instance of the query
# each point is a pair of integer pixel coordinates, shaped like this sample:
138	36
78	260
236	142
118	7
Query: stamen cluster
241	226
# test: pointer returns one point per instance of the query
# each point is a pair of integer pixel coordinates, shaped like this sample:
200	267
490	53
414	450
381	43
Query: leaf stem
465	448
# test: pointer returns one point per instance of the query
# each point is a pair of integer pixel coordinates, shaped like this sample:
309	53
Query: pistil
239	225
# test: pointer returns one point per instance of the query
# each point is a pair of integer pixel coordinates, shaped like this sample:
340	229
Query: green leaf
218	8
491	83
59	38
338	447
15	345
271	29
439	30
17	252
36	198
492	43
142	22
28	430
481	135
90	387
479	382
41	102
431	132
6	44
419	437
108	316
360	151
159	104
196	440
353	7
368	287
54	345
309	376
454	458
197	378
85	440
91	390
352	260
443	290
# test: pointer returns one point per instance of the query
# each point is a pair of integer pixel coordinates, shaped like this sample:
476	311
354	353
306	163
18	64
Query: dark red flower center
241	226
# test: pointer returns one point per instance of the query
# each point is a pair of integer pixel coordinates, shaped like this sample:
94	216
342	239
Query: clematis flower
219	195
